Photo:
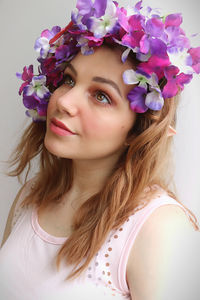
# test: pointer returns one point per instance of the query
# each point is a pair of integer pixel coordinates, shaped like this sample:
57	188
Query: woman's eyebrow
69	65
107	81
97	79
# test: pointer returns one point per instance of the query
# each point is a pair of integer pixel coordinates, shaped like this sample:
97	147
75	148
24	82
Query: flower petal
130	77
137	99
125	54
170	89
195	54
43	92
154	27
154	100
173	20
100	7
144	44
29	102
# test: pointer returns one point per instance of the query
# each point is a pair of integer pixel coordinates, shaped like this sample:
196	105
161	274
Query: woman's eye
103	98
69	80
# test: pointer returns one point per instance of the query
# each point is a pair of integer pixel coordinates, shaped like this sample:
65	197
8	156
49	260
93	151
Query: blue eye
102	98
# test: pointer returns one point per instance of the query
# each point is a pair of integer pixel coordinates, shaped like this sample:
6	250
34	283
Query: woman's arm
164	263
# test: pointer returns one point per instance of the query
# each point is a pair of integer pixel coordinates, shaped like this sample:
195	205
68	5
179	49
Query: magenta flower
26	76
155	65
174	81
132	40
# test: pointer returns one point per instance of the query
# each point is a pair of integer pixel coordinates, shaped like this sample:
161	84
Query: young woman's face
92	103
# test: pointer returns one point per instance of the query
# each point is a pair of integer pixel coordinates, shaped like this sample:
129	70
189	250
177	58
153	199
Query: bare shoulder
164	256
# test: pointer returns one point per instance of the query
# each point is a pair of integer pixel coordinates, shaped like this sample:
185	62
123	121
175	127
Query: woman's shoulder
165	234
17	207
164	212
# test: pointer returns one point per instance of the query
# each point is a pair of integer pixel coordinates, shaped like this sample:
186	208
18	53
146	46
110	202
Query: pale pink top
27	260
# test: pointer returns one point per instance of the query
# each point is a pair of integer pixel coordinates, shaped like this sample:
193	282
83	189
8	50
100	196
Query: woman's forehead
103	61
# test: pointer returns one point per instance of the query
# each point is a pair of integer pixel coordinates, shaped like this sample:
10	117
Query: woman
97	219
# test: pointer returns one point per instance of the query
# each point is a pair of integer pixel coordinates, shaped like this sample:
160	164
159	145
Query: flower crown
166	60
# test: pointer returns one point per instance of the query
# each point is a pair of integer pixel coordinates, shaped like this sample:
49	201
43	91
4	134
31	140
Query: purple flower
137	99
42	45
32	113
106	24
195	55
173	20
63	53
139	76
174	81
84	44
37	88
138	6
154	46
49	34
26	76
154	27
89	9
154	99
175	39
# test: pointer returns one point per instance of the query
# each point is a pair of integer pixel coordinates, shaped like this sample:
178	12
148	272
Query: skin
161	263
97	112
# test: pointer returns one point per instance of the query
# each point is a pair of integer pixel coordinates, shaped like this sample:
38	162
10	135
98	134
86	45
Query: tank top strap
116	250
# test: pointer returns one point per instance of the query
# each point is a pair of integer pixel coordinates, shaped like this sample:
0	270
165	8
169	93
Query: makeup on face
60	128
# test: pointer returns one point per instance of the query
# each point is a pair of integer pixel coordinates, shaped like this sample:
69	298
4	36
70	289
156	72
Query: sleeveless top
28	259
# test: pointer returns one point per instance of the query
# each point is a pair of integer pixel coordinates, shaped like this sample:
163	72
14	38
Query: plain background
21	22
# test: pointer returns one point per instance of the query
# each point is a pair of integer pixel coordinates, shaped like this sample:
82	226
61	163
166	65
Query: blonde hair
144	163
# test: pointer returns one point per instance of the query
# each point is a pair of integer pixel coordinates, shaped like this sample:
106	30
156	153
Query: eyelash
96	94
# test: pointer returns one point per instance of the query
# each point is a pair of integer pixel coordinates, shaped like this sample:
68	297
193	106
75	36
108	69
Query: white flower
180	59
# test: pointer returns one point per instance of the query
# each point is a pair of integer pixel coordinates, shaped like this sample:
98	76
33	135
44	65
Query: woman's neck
91	174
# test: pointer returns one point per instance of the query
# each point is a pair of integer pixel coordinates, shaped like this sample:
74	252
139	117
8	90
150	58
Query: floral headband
166	60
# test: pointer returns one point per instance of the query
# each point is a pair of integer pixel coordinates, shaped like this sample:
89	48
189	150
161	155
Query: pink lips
59	128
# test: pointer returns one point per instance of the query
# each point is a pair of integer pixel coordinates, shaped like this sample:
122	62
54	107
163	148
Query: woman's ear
171	131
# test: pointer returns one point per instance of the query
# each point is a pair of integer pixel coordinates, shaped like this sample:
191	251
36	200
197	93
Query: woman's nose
69	102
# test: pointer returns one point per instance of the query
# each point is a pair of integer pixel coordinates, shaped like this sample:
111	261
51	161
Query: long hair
147	161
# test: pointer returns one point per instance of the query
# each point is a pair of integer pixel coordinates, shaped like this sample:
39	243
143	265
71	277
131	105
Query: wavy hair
147	161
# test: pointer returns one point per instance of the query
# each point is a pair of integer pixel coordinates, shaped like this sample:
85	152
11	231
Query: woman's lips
59	128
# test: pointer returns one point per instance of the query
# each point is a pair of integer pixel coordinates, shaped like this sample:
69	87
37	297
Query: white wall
21	22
